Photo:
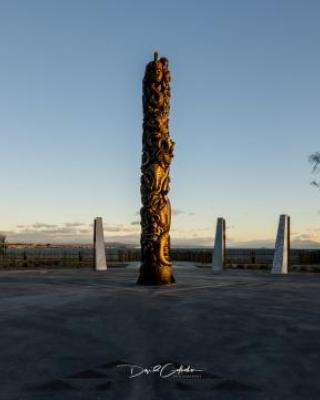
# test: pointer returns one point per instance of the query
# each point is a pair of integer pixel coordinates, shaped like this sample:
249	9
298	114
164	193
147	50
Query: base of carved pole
155	276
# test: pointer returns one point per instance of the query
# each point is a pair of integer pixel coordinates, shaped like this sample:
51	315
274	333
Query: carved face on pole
157	153
157	71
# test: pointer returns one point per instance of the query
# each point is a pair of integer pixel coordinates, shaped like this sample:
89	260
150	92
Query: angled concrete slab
219	245
282	246
100	263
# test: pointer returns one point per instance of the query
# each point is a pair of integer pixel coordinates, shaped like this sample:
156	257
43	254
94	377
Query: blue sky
245	116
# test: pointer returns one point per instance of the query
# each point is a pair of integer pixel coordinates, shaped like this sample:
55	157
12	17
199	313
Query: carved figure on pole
157	153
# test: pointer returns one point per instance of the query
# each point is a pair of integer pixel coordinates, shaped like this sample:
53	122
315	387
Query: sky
244	116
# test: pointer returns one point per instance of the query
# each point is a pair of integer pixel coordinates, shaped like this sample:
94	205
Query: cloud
81	233
308	239
305	244
69	232
7	232
303	241
74	224
63	230
85	231
119	228
42	225
111	228
176	211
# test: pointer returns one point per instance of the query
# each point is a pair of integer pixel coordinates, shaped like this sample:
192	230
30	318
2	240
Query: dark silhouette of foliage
315	161
2	243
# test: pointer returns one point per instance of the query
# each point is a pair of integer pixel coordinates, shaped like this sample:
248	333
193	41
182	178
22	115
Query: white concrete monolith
219	245
100	263
282	247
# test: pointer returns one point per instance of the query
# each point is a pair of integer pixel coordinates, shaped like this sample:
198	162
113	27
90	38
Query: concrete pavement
64	332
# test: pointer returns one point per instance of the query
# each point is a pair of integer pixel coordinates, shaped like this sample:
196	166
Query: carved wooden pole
157	153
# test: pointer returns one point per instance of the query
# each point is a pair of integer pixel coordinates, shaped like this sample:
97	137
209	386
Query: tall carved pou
157	153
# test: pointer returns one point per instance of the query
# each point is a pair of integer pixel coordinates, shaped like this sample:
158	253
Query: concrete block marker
219	245
100	263
282	247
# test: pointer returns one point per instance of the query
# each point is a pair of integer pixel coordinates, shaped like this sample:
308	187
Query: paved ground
63	333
